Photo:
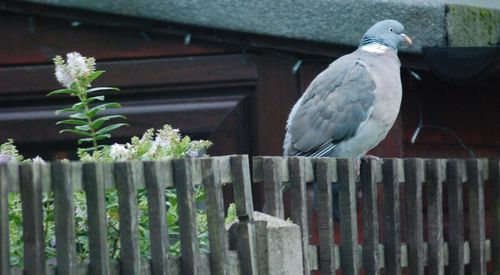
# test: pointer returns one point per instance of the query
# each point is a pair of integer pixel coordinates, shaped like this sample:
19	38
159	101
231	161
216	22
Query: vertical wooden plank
33	238
414	172
476	217
246	242
273	187
64	217
215	216
8	176
454	171
392	216
93	182
190	249
155	179
348	216
299	205
495	238
128	213
370	218
435	253
325	216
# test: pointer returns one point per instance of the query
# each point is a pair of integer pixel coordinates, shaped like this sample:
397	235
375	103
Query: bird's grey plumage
350	107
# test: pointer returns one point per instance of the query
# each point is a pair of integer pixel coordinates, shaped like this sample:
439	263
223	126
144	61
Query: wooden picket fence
395	177
385	181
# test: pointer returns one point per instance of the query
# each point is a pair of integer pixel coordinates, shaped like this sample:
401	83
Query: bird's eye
391	29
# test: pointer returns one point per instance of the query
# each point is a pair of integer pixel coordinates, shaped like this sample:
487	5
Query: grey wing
336	103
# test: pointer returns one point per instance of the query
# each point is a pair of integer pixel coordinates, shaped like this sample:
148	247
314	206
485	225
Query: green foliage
77	75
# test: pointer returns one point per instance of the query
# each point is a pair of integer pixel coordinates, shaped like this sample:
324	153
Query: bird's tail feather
322	151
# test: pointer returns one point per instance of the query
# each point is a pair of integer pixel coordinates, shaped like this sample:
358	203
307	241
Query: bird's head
386	32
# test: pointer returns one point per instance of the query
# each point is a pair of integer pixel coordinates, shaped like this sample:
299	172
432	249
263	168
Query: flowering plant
76	75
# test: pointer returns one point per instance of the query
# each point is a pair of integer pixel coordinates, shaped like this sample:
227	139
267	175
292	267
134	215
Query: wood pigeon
350	106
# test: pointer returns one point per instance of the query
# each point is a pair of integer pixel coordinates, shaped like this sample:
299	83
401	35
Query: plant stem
82	95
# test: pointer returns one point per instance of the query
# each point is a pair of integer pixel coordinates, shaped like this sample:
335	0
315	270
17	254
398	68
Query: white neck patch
374	48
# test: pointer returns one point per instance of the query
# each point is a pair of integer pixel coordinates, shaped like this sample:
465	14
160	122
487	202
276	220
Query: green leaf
79	106
78	116
94	98
94	75
76	132
92	112
82	140
63	91
101	89
72	122
98	122
108	129
85	128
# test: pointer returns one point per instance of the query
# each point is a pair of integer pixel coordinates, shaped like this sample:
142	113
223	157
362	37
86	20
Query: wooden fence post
324	168
64	217
126	177
154	178
435	217
495	240
370	218
476	217
93	182
190	247
246	241
299	205
215	216
454	171
348	217
33	237
8	176
273	187
392	216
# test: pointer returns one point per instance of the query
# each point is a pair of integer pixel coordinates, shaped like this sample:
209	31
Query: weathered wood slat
476	217
126	182
370	218
94	184
348	217
64	217
299	205
8	176
324	166
246	242
435	254
495	239
184	170
273	170
33	238
456	259
392	222
414	175
155	177
215	216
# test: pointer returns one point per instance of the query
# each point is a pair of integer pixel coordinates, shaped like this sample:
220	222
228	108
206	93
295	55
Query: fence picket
414	174
190	248
64	217
8	176
33	238
273	187
126	175
93	182
495	240
323	177
392	218
246	242
299	205
476	217
155	180
454	171
215	216
348	217
370	218
435	217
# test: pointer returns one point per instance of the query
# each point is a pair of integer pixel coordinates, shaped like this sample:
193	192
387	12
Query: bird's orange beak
406	38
